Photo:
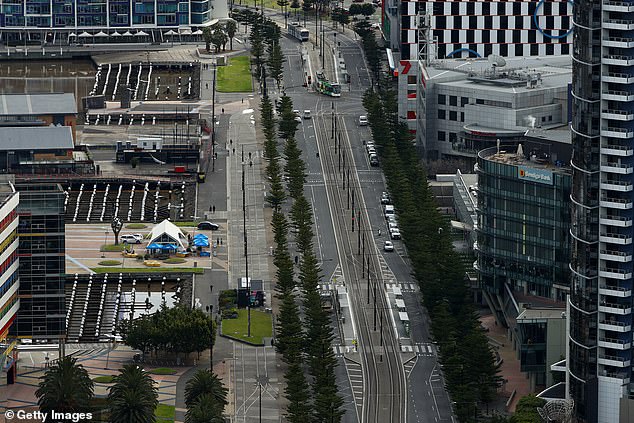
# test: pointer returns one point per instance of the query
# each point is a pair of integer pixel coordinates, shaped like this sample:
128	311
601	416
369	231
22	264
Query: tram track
384	381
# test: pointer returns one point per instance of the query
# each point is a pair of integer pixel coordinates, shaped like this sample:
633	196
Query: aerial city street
356	211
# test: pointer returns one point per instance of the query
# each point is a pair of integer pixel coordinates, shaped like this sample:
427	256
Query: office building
599	361
42	263
470	29
120	21
464	107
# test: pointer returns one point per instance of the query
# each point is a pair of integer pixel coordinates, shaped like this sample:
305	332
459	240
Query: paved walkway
510	370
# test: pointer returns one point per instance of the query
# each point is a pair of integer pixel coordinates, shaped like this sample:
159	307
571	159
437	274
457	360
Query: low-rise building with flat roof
44	109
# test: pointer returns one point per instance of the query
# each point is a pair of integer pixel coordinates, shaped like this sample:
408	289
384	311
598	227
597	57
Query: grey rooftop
37	104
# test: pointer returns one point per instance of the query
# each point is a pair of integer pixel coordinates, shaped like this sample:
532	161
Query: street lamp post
213	119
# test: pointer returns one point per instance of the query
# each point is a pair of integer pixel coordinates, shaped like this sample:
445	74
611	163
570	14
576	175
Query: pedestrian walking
206	86
234	150
223	110
220	241
217	241
243	100
296	260
230	142
209	208
213	209
379	232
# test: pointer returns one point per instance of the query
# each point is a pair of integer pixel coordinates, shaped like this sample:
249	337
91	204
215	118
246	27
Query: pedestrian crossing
405	286
337	276
327	287
426	350
340	350
355	374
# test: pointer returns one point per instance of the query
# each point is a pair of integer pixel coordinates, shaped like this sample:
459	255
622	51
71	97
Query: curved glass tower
600	336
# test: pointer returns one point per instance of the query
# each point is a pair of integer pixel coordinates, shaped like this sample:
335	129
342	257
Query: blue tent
154	246
168	247
201	236
201	242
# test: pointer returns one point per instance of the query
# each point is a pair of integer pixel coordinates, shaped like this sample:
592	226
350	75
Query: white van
388	211
307	114
131	238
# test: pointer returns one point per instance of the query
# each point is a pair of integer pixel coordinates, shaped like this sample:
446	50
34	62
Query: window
411	79
461	116
543	118
442	99
453	115
550	118
442	136
463	101
453	137
453	100
441	114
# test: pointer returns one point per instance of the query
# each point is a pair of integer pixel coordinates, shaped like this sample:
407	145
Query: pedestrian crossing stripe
340	350
327	287
418	349
405	286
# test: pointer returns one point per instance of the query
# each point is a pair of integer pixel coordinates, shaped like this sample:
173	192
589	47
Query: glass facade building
600	335
64	17
522	230
42	267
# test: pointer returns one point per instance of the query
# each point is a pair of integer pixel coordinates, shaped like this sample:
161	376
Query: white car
131	238
392	225
307	114
388	246
395	234
298	119
363	120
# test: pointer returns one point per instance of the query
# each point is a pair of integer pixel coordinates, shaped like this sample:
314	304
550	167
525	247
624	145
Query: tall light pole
213	119
246	255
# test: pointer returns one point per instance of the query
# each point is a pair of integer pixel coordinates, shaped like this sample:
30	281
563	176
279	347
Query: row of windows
40	265
9	218
41	224
505	22
504	49
548	8
453	115
6	286
38	244
453	136
8	262
8	306
494	103
453	100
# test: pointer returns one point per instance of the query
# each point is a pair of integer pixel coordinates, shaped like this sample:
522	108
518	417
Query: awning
84	35
168	247
201	243
171	32
101	34
186	32
141	34
115	34
72	34
197	32
127	34
154	246
201	236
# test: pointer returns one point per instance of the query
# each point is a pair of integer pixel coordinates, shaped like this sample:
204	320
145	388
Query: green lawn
113	248
235	77
136	226
261	326
148	270
162	371
103	379
109	263
165	413
185	224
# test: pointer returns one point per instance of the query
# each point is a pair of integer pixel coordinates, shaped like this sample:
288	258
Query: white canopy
72	34
168	233
84	35
141	34
115	34
186	32
197	32
171	32
127	34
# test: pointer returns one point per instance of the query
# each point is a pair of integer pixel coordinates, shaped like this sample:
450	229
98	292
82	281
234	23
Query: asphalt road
427	401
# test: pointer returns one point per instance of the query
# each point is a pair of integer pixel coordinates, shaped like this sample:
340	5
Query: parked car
131	238
374	160
392	225
385	198
388	246
298	119
395	234
363	120
371	151
307	114
208	226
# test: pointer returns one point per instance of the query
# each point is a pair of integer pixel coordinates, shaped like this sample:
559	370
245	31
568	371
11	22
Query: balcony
623	377
620	186
618	42
613	255
615	361
617	149
618	6
618	24
615	308
619	239
618	95
617	59
614	132
615	273
619	168
617	114
617	344
614	290
616	203
615	220
615	326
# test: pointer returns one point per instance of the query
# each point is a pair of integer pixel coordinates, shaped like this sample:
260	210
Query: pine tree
276	63
297	393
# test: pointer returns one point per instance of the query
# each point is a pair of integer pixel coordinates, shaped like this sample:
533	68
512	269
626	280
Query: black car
208	226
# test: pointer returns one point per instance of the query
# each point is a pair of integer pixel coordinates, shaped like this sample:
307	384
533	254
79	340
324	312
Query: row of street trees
303	331
219	35
469	364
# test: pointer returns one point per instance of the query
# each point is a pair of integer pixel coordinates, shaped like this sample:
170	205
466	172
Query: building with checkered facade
469	29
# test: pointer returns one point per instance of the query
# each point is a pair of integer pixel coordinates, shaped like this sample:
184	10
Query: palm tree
65	387
230	28
204	410
133	397
206	382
